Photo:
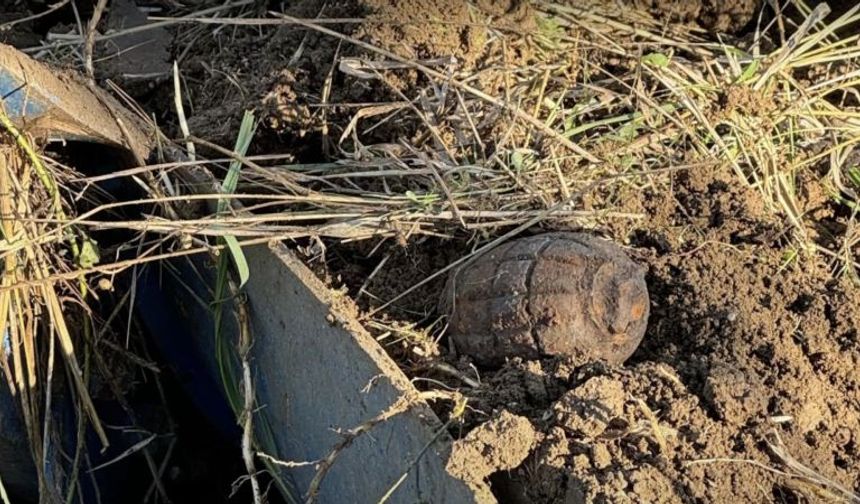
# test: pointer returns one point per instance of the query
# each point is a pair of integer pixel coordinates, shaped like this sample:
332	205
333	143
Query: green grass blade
243	142
228	186
238	259
223	353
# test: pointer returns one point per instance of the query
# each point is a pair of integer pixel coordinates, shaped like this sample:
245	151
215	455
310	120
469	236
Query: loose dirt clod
717	16
498	445
551	294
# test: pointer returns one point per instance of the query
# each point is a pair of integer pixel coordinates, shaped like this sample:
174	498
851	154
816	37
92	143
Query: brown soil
748	349
500	444
743	349
295	95
298	87
714	15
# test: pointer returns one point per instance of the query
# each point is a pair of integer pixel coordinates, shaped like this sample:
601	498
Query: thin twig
180	113
403	404
246	416
53	8
90	39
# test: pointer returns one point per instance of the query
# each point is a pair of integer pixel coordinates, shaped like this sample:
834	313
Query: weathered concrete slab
317	370
321	370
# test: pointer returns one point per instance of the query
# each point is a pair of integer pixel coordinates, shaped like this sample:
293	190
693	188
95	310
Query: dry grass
33	317
587	123
797	476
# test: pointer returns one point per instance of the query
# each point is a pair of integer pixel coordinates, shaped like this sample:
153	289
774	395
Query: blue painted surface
16	465
29	100
22	100
169	313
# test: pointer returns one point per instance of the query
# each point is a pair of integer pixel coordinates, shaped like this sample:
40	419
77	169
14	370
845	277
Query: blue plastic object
161	306
16	465
21	100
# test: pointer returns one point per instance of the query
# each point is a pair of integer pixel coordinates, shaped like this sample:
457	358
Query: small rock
809	416
732	396
600	456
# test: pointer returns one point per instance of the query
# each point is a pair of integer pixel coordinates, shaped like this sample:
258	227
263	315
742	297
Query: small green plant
229	357
424	201
656	59
223	347
550	33
854	176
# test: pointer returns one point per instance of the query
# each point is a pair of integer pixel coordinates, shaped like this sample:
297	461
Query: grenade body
551	294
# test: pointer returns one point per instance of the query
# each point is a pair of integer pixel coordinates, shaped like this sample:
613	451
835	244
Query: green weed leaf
89	254
656	59
238	259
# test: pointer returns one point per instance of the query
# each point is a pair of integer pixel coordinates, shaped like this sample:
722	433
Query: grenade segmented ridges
550	294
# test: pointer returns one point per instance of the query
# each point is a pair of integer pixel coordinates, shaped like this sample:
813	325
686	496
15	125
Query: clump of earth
745	355
712	14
